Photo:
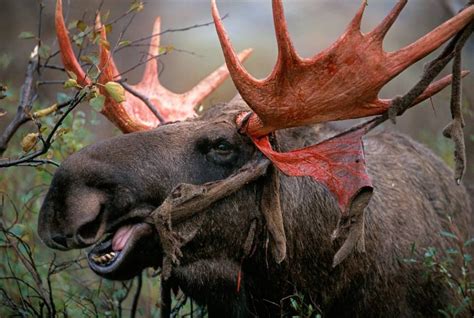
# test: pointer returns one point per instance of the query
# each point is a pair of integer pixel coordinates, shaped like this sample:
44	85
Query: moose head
204	196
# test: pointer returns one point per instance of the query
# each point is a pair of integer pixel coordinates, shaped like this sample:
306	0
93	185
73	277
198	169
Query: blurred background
314	25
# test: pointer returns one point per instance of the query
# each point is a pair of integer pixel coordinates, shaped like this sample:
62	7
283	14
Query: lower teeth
104	259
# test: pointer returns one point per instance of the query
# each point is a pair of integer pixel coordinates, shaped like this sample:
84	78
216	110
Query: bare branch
137	41
144	99
136	296
27	97
186	200
49	139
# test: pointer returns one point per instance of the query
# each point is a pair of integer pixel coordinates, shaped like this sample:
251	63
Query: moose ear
271	210
351	226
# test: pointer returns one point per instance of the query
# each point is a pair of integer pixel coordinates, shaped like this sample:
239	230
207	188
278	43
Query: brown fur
414	194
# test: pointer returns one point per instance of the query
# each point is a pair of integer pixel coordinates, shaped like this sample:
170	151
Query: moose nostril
88	232
60	240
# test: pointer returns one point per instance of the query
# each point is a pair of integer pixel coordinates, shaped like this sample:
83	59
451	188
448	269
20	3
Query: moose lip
109	254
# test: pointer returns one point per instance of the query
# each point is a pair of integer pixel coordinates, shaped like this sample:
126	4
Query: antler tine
108	70
207	85
151	76
354	25
432	90
240	76
401	59
437	87
286	50
381	30
68	57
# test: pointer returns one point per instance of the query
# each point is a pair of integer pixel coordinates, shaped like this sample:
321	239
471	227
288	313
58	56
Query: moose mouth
124	253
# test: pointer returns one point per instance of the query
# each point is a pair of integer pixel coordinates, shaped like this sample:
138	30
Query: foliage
34	280
454	267
302	307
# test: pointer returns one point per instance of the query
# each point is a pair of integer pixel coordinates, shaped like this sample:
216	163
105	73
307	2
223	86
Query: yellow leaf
71	74
29	141
46	111
116	91
136	6
71	83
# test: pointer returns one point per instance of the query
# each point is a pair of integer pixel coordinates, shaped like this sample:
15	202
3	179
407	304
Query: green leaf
5	60
81	25
71	75
467	258
78	39
448	234
430	252
72	24
165	49
120	294
97	103
71	83
124	43
136	6
90	59
26	35
44	51
452	251
469	242
108	28
18	230
116	91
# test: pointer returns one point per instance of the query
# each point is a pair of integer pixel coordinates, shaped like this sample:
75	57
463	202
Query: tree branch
27	97
144	99
32	157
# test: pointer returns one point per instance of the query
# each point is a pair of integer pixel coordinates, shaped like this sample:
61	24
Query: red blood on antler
132	114
341	82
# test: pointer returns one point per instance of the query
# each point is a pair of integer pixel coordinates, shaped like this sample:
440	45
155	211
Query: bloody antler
341	82
133	115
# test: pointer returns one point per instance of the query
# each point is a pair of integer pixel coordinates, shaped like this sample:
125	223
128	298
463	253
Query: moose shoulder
97	192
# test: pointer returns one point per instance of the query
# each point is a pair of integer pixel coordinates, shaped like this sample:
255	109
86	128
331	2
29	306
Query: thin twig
144	99
40	19
49	139
50	82
54	67
169	31
140	64
136	296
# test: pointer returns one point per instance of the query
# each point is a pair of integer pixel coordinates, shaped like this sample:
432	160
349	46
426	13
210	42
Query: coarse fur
414	196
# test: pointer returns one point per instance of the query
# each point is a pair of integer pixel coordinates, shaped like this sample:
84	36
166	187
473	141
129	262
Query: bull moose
261	198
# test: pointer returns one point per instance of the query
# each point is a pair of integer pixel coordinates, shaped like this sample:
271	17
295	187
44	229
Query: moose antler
133	115
341	82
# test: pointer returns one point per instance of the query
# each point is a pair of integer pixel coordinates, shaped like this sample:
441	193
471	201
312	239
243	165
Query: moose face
99	196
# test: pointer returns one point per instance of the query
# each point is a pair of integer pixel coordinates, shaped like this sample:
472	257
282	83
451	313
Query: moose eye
222	147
